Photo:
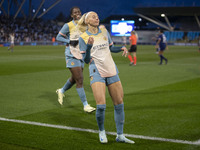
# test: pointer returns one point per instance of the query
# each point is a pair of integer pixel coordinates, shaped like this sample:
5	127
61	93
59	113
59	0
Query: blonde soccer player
97	45
69	34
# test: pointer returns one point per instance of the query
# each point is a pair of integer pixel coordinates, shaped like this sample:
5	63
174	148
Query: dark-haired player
161	44
74	60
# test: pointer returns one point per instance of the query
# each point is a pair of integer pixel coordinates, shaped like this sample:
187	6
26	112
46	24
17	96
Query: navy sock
164	58
161	59
100	116
119	117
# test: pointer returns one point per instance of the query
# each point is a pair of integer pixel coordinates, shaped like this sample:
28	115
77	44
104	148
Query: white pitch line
96	131
197	142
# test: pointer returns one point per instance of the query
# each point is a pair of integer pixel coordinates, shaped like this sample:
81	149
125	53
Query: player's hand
91	40
125	51
73	43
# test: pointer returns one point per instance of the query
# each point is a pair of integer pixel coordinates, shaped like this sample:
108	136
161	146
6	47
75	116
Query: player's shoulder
160	36
84	36
103	29
70	24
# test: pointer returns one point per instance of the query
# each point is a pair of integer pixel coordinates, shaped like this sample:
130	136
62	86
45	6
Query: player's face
93	19
76	14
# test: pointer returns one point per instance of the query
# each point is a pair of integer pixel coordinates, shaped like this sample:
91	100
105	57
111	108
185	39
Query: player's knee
100	101
79	81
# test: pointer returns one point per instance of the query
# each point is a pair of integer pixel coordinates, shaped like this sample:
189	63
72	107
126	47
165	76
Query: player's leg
129	55
116	93
70	82
162	57
12	46
77	75
70	63
99	90
9	47
160	53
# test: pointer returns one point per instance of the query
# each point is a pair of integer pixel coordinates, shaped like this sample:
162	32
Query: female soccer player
162	45
74	61
12	40
133	48
97	44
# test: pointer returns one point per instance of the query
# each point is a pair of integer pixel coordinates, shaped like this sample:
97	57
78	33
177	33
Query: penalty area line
96	131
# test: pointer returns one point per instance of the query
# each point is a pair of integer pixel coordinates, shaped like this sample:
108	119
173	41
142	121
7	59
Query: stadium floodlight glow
44	9
162	15
122	28
122	19
33	10
140	19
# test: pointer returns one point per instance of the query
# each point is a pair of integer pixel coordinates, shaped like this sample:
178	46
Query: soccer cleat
60	96
89	109
131	64
123	139
102	137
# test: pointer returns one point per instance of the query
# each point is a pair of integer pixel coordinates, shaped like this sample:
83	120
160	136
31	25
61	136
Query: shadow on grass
52	97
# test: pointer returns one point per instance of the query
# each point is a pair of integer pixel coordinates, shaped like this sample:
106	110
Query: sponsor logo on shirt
91	78
101	46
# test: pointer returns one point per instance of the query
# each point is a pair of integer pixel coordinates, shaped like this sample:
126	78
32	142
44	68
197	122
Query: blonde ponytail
81	25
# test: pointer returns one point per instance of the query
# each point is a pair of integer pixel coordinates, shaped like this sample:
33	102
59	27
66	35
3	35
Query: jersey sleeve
159	37
85	49
82	45
109	39
63	35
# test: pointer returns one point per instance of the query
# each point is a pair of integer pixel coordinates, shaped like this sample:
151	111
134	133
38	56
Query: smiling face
93	19
76	14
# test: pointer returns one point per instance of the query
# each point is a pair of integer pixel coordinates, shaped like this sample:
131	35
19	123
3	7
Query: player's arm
62	35
116	49
86	48
130	41
158	42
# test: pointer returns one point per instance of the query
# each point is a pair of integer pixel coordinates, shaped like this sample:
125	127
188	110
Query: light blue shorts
96	77
72	62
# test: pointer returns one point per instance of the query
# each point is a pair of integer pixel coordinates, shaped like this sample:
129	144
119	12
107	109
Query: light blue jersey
102	67
65	35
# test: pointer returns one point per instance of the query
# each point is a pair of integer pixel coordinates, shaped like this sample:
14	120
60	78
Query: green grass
160	101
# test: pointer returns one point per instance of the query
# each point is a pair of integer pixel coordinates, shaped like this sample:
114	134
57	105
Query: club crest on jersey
105	38
72	63
91	78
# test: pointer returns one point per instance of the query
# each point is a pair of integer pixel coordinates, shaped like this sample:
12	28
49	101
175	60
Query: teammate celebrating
162	45
12	40
97	45
74	60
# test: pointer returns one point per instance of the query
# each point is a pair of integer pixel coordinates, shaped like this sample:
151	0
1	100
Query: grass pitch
160	100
